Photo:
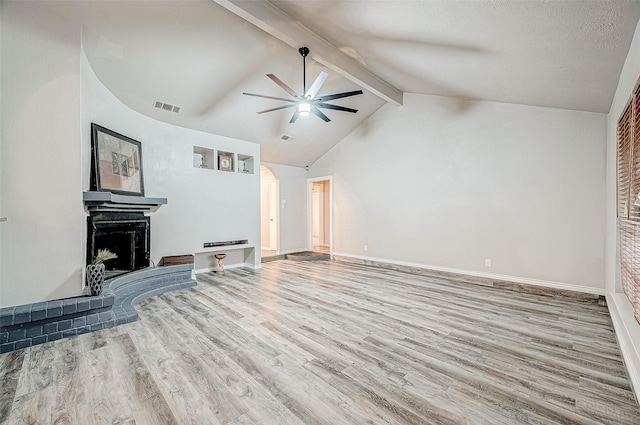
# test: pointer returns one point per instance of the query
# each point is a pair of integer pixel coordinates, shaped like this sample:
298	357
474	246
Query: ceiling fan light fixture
304	109
308	102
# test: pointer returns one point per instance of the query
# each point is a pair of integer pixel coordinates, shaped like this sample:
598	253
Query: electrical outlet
366	247
487	262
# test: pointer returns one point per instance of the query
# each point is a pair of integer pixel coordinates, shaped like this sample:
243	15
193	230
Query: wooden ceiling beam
278	24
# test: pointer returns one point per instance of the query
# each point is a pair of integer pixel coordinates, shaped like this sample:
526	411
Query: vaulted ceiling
202	55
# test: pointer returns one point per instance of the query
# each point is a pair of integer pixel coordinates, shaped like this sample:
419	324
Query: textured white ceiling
561	54
200	56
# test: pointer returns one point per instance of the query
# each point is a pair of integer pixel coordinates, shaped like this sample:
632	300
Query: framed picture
225	162
116	162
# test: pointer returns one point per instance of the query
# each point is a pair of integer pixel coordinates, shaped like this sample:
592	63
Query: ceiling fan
307	103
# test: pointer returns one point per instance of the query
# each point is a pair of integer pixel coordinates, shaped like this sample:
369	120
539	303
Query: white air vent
166	106
285	137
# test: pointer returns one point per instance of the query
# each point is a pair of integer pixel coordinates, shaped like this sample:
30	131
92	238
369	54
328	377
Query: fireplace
125	234
118	223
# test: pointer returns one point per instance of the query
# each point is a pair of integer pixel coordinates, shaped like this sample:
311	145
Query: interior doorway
320	238
269	214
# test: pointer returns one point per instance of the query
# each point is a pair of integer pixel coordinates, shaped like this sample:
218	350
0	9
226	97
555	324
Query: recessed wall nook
212	159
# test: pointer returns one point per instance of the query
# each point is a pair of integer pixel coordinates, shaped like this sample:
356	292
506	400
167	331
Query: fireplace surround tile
69	306
34	331
6	316
22	314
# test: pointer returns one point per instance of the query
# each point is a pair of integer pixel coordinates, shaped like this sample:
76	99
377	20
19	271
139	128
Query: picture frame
116	162
225	162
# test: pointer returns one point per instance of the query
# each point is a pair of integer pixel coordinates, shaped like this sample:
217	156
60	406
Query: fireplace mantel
107	201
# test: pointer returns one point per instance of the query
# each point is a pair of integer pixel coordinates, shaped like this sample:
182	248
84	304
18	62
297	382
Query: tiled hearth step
133	288
308	256
31	324
273	258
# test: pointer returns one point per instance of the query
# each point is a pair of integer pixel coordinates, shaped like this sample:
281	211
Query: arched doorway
269	213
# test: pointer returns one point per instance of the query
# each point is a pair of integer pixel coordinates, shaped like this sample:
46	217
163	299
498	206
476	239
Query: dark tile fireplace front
125	233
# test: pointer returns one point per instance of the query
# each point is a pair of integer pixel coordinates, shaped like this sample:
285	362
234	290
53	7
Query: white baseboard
516	279
627	332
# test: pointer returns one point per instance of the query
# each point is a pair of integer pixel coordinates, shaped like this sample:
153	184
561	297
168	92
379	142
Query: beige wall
432	184
627	328
50	95
292	186
41	246
327	213
204	205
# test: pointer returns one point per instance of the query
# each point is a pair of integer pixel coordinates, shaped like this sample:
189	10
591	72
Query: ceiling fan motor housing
307	103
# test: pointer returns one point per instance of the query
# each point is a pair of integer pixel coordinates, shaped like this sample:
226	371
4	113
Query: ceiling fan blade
317	112
276	109
271	97
295	116
335	107
338	95
317	84
285	87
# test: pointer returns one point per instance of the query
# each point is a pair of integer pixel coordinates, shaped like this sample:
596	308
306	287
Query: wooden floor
329	343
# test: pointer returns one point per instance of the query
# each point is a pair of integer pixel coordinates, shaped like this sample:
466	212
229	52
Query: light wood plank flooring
330	343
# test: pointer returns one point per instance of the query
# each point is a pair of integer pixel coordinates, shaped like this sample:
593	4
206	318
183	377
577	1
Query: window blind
628	208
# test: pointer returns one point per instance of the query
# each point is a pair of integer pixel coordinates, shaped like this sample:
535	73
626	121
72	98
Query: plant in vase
95	272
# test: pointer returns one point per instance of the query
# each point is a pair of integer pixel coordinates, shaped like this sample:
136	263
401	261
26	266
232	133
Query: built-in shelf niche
226	161
203	158
245	164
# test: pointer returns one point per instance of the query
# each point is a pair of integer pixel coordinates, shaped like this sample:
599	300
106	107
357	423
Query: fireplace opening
125	234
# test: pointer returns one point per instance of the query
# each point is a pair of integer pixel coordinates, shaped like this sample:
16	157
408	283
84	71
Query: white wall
49	98
326	217
1	215
434	184
627	329
292	183
1	132
41	243
204	205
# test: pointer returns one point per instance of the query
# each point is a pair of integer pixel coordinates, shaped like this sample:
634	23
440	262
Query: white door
273	216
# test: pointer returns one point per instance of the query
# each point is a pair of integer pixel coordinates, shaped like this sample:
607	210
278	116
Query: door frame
310	183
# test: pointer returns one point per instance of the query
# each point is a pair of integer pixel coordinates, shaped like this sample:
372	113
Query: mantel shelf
107	201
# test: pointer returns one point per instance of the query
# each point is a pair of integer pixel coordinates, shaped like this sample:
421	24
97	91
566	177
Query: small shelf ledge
225	248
